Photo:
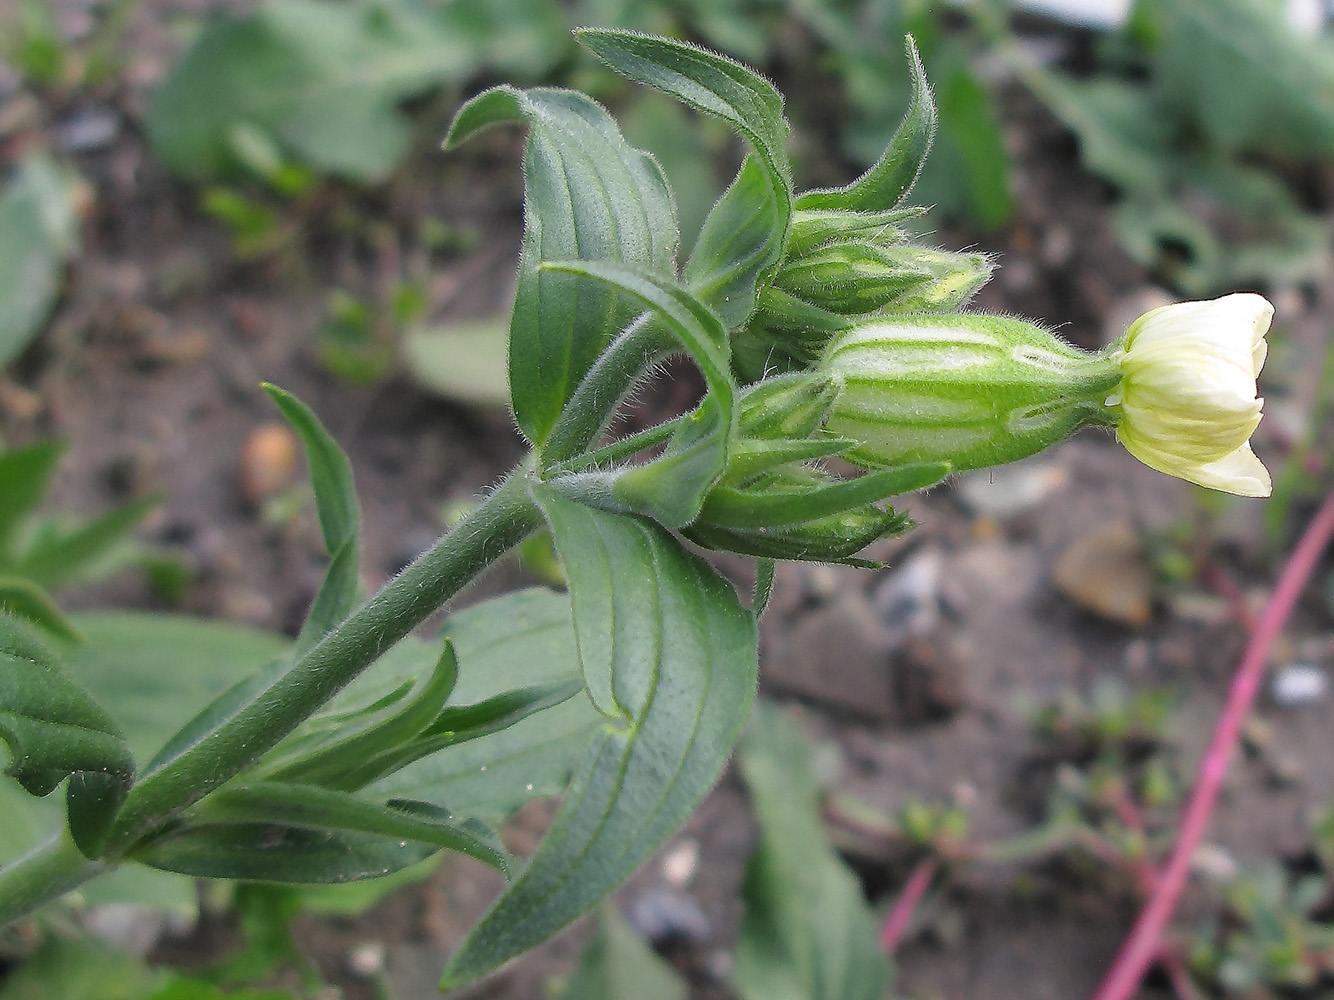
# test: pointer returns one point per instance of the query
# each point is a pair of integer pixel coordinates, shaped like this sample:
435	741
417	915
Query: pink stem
1142	944
896	924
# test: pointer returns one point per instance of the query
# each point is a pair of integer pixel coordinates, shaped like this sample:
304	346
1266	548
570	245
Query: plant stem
1142	944
896	924
503	519
44	873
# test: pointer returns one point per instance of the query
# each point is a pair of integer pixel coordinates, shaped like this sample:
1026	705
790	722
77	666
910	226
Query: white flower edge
1188	401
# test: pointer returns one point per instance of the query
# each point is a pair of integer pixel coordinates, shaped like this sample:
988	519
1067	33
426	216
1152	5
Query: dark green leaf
52	726
38	233
24	476
588	195
887	182
287	805
520	640
55	558
264	852
669	656
24	599
618	965
347	748
808	933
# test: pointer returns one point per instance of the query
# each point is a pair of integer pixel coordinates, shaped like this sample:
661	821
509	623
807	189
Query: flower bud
970	390
1188	403
851	278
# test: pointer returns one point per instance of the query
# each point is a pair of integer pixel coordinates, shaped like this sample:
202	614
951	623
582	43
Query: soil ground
923	675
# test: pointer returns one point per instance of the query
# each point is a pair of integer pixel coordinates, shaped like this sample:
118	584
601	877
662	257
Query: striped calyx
970	390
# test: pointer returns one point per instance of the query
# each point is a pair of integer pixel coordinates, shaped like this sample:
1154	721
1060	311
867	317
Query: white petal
1240	473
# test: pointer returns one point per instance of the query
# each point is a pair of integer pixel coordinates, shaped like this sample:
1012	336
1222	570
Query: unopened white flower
1188	402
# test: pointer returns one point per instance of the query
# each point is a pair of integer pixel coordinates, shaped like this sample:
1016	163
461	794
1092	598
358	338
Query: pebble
680	862
908	597
1012	490
268	462
367	959
1297	685
88	130
663	916
1105	572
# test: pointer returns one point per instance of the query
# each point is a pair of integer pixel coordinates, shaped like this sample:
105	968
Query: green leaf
25	599
618	965
463	361
75	968
807	933
1242	72
266	852
330	472
25	474
672	487
741	242
150	671
322	79
709	83
887	182
286	806
588	195
328	759
54	558
742	239
52	726
38	234
520	640
669	656
340	519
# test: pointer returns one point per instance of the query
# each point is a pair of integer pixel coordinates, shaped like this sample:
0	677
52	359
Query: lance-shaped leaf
808	933
669	657
56	557
815	498
742	238
588	195
24	475
280	832
24	599
340	519
671	487
887	182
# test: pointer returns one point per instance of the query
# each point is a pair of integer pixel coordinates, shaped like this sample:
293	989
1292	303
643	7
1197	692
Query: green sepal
751	457
835	539
812	228
887	182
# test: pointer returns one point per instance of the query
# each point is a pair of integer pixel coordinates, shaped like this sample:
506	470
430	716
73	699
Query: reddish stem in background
900	916
1142	944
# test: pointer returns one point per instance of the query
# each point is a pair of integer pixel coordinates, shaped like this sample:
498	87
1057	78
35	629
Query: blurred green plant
1202	113
41	553
38	237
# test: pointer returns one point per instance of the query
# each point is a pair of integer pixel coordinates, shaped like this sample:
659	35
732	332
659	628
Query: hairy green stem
43	874
505	518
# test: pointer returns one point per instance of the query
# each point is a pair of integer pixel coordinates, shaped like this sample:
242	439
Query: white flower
1188	400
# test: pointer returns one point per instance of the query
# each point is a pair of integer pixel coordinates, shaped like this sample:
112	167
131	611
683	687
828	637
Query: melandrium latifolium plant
821	329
